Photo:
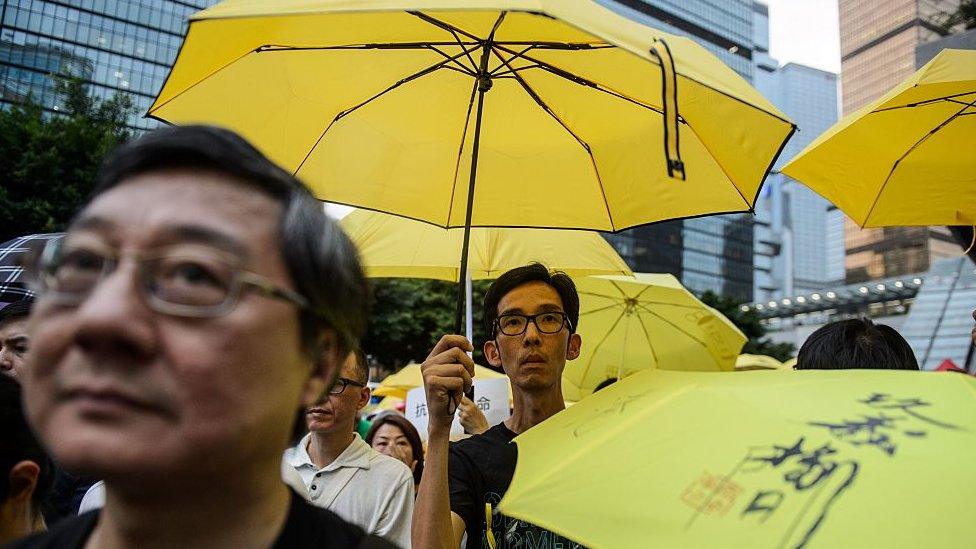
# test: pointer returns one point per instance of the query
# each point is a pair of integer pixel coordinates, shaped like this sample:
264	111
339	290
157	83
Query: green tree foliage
748	322
964	16
409	316
49	161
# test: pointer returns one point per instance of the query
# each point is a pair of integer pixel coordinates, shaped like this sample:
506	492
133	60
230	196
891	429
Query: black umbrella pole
463	273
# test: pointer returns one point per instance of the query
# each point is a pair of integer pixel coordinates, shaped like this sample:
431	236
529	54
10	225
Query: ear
23	481
363	397
491	353
325	369
573	347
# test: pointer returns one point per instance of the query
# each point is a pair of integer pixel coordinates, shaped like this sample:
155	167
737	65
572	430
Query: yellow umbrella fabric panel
755	460
572	137
745	362
648	321
391	246
410	377
906	158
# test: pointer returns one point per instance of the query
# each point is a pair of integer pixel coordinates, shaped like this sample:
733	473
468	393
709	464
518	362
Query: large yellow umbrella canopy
852	458
409	377
391	246
578	117
907	158
645	321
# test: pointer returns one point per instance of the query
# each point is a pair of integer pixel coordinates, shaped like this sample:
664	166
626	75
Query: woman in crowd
393	435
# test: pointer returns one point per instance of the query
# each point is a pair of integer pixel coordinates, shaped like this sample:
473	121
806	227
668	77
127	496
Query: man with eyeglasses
345	474
530	317
198	301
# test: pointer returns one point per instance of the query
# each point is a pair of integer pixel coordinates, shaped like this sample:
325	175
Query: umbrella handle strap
489	534
669	101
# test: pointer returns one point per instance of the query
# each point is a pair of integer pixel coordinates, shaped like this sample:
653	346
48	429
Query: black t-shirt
480	469
305	526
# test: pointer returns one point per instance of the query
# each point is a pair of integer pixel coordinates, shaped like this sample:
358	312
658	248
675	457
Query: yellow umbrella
789	364
907	158
646	321
567	114
391	246
757	362
409	377
852	458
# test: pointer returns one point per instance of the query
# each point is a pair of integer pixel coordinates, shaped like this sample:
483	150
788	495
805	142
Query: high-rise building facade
794	224
712	253
877	42
116	46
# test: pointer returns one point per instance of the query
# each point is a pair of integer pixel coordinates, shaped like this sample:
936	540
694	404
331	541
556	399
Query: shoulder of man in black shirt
306	526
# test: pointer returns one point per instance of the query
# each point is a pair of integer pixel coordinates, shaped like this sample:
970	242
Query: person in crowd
342	472
26	468
197	301
604	384
67	489
14	341
393	435
471	417
855	344
530	317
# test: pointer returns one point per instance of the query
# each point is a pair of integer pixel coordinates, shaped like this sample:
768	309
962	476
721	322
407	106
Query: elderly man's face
118	390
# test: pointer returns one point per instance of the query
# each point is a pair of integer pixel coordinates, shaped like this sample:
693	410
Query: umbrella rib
538	99
601	309
433	46
894	166
585	82
675	326
392	87
454	32
671	304
457	165
573	46
443	25
506	63
647	336
586	370
927	102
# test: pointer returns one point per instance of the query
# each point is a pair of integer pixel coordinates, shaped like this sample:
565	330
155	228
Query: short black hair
16	310
362	365
322	261
605	383
533	272
18	443
856	344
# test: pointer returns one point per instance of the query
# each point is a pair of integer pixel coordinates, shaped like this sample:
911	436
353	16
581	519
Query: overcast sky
806	32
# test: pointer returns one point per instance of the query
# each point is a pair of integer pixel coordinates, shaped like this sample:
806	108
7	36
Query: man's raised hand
447	376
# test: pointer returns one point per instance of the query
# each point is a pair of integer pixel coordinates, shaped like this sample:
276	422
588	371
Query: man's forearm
432	528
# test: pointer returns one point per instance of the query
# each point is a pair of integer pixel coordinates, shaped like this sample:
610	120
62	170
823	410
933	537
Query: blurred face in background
336	413
390	440
14	345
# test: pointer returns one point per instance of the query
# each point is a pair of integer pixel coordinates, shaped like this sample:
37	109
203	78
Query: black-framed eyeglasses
341	383
187	280
547	323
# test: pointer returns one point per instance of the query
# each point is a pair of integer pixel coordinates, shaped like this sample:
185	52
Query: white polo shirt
363	486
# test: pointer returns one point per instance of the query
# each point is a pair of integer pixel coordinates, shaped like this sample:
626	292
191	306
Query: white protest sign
490	395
